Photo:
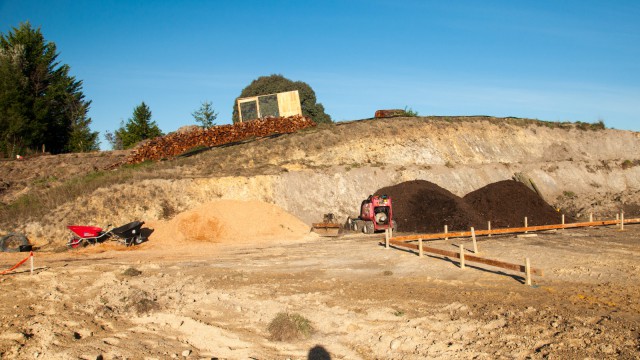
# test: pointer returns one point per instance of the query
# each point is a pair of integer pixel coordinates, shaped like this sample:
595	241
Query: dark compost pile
506	203
424	207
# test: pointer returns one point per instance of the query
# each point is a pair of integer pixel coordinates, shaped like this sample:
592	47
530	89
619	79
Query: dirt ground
205	300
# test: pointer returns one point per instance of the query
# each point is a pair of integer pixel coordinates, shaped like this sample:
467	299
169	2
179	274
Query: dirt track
365	302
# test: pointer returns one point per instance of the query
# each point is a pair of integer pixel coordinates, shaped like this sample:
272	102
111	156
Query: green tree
206	115
41	104
139	127
81	138
275	83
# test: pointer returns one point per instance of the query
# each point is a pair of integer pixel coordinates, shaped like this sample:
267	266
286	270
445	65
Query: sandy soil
207	300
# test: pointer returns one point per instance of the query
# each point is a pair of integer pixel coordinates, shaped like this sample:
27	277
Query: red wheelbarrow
128	234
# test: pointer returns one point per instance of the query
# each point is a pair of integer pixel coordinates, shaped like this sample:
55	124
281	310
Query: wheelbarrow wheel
74	242
138	240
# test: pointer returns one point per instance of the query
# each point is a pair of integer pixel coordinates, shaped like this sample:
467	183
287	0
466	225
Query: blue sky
550	60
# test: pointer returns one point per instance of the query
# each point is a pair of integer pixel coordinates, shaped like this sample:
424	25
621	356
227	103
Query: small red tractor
376	214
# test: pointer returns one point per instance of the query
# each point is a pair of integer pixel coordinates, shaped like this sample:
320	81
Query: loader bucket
326	229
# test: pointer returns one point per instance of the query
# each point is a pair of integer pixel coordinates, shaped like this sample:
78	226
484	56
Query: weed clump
289	327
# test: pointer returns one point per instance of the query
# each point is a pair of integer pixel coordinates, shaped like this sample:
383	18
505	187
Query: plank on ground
471	258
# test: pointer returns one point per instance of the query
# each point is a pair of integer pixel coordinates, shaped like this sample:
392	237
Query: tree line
43	107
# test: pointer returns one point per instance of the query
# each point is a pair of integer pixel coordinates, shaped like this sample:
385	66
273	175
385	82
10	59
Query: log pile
174	144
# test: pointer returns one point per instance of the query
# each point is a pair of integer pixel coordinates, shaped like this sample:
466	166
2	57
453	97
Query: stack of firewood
174	144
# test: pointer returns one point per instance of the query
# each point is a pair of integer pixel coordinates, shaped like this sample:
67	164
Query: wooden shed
282	104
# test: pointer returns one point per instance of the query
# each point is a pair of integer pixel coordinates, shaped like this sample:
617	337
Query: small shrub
629	164
132	272
409	112
387	273
168	211
288	327
569	194
449	164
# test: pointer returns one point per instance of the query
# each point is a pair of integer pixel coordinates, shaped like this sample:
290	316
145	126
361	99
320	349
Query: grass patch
44	181
290	327
37	203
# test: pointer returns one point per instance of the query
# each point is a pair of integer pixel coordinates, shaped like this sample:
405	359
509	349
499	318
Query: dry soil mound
422	206
507	202
229	221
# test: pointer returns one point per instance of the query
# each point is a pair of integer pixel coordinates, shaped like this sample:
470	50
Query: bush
288	327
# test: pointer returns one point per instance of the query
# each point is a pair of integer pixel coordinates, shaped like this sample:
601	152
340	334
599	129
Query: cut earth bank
577	171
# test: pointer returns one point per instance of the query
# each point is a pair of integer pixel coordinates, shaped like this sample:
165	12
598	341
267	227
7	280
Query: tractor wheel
368	227
12	242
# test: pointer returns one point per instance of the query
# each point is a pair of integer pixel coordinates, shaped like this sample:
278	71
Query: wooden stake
420	247
31	256
526	224
562	221
488	228
461	256
446	230
527	271
622	220
590	218
386	238
473	236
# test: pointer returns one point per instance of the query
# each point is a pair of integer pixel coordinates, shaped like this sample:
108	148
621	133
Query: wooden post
473	237
489	228
386	238
622	220
562	221
527	271
446	230
590	218
31	258
526	224
420	247
461	256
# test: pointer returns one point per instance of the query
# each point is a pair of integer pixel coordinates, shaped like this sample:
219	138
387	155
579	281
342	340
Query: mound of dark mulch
422	206
506	203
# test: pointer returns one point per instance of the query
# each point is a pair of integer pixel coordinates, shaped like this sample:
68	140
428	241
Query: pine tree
139	127
206	115
41	104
